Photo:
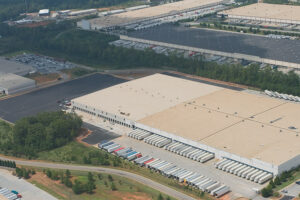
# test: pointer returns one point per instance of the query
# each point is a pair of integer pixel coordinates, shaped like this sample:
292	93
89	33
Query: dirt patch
42	79
242	198
36	24
42	179
131	196
84	133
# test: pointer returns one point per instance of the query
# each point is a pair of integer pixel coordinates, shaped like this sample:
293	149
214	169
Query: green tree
272	184
110	178
160	197
49	173
113	187
266	192
77	187
277	181
91	183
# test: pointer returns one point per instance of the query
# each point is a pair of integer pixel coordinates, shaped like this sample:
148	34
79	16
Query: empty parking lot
277	49
46	99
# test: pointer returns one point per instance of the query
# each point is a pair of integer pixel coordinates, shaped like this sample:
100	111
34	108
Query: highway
162	188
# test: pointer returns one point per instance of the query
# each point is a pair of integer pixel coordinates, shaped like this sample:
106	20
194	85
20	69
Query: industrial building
263	12
148	13
245	128
7	66
12	83
44	12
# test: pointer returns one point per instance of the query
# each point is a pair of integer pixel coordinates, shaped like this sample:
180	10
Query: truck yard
194	179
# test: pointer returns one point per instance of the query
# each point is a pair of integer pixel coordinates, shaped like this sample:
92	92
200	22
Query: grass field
75	152
77	72
125	189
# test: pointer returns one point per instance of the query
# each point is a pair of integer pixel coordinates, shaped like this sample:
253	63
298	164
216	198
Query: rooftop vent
292	127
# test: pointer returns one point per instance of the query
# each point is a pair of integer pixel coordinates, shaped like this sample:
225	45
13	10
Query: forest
42	132
92	48
12	8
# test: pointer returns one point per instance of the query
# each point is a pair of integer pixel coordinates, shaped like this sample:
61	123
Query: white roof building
44	12
11	83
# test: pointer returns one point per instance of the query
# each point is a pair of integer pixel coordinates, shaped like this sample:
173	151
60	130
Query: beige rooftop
145	96
270	11
149	12
237	122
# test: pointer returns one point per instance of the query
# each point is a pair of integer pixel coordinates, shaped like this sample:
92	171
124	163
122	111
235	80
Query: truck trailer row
245	171
166	168
179	148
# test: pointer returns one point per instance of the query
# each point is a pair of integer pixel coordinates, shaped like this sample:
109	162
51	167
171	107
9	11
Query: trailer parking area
239	186
49	99
27	190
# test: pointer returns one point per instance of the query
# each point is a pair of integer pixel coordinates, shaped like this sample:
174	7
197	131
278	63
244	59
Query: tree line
8	163
268	191
42	132
92	48
24	173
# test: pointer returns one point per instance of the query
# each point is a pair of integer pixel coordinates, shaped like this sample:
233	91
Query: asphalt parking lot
277	49
46	99
292	190
98	134
26	189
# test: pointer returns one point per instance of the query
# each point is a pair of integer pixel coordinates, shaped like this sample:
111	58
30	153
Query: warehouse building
12	83
148	13
263	12
242	126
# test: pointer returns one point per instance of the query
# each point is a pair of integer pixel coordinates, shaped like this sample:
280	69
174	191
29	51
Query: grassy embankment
123	188
76	153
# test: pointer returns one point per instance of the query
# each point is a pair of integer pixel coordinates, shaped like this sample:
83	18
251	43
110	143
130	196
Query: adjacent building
12	83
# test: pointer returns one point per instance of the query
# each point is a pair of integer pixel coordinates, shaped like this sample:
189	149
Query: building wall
21	88
294	162
102	114
3	89
283	21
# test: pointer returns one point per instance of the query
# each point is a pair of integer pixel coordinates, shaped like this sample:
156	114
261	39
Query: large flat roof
269	11
145	96
154	11
237	122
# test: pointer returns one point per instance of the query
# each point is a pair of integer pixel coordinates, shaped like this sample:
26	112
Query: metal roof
11	81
